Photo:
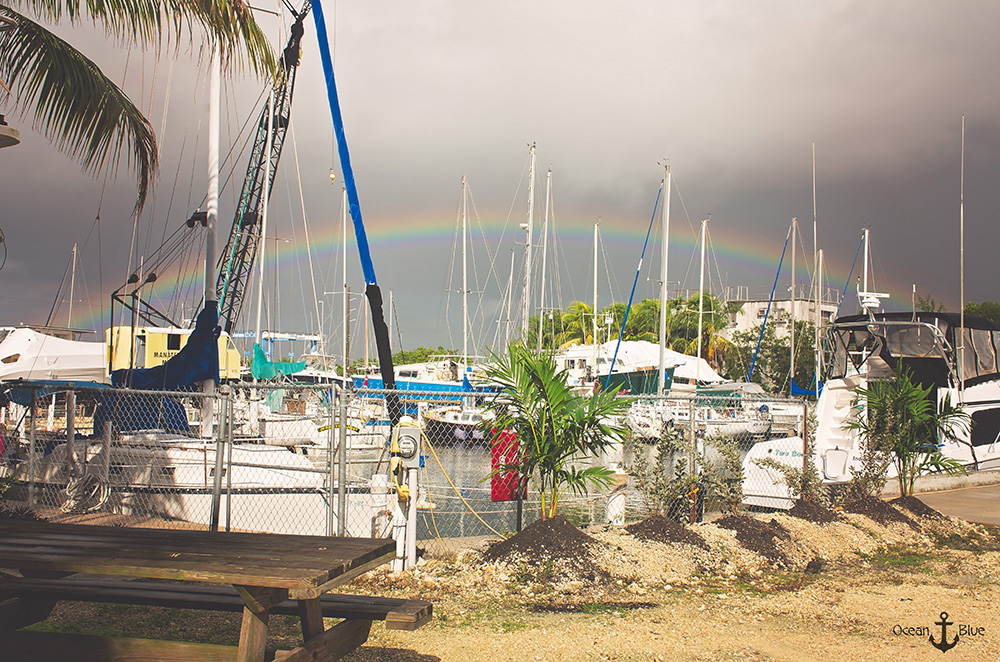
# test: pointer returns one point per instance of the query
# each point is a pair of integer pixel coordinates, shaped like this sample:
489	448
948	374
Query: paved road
975	504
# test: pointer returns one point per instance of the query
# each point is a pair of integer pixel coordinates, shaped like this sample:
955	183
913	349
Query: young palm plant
554	425
902	424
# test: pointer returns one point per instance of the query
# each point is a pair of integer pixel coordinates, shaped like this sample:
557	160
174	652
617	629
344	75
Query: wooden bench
398	614
27	600
196	569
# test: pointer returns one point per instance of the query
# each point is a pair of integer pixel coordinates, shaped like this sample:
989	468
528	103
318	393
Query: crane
237	259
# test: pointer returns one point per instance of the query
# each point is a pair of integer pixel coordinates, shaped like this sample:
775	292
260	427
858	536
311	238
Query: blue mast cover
197	361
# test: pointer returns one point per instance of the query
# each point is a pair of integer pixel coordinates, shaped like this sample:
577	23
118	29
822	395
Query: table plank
279	561
265	568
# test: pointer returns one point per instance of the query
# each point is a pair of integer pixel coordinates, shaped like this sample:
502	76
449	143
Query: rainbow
755	255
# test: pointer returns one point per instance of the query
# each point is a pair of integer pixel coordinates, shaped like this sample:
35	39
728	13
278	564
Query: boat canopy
925	342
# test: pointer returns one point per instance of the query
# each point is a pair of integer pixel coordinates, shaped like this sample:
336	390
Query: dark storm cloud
732	93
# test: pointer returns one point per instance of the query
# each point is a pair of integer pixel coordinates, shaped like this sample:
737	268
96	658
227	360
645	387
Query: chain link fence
319	460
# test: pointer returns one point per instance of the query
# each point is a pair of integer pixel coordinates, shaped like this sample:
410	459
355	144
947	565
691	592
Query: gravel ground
851	589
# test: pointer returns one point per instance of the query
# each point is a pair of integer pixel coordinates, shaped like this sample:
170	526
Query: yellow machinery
152	346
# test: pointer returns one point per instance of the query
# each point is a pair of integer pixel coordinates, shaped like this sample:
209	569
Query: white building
754	311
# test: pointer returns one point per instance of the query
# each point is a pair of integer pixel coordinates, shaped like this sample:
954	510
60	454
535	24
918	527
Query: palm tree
577	323
76	106
643	321
554	425
716	316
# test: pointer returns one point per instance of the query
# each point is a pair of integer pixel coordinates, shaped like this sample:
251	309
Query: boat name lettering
786	453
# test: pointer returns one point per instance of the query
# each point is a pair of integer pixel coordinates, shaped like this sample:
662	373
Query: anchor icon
943	645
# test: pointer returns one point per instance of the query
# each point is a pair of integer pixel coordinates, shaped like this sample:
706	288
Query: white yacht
958	362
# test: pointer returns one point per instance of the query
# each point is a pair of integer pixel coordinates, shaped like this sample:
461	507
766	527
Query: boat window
915	341
982	343
3	334
140	352
173	341
966	360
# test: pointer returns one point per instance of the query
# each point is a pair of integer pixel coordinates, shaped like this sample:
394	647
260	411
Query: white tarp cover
28	354
641	354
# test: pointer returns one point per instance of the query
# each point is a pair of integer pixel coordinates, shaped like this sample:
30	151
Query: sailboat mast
263	219
819	318
791	367
72	286
347	291
597	227
961	287
212	196
510	299
865	268
212	222
701	298
664	293
817	266
527	246
545	250
465	276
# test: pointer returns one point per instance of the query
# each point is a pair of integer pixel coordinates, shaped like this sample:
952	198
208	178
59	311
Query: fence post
692	431
342	468
31	451
229	461
106	468
805	434
220	442
74	468
331	514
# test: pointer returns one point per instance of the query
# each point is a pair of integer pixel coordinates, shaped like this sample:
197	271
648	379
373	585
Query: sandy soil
871	592
851	589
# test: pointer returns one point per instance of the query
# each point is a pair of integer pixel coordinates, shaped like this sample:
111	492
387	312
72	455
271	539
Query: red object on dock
503	452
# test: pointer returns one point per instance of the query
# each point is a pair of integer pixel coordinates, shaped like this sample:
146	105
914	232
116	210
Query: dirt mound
879	511
662	529
813	511
917	507
757	536
553	544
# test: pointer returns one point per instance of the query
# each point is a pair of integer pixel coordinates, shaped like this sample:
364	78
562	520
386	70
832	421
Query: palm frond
227	24
74	104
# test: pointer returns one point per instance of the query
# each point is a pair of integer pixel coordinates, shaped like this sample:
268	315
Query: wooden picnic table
265	569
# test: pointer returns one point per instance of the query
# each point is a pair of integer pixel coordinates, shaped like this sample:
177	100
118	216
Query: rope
767	311
448	478
843	294
638	268
83	489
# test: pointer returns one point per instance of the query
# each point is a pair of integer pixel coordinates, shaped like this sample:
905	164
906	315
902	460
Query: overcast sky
731	94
